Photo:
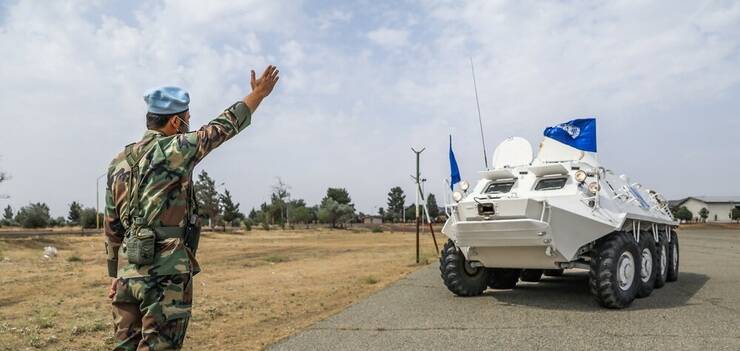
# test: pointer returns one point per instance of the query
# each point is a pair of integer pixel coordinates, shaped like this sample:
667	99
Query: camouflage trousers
152	313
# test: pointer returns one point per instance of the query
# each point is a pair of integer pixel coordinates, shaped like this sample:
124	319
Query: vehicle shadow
571	292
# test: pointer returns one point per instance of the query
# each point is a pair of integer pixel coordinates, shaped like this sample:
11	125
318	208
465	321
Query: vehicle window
499	188
550	184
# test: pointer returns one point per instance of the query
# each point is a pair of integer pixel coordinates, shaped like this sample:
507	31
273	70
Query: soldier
151	216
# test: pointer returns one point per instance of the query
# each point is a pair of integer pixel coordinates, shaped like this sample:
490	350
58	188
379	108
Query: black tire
503	278
531	275
618	250
673	258
553	272
661	251
648	264
457	274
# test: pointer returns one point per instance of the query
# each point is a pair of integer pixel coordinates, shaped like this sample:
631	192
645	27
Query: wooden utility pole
418	186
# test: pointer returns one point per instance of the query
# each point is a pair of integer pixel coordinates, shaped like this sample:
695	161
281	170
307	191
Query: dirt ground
255	288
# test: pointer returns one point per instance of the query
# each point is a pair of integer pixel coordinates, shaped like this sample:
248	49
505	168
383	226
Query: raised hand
263	86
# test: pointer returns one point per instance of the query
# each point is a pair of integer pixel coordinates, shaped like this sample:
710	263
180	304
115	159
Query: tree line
219	209
685	215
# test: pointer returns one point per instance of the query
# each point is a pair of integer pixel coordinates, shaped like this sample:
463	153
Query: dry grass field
255	288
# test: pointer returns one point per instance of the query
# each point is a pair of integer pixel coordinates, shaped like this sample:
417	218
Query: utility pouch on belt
139	246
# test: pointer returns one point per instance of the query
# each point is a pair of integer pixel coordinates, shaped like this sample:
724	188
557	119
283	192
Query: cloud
388	37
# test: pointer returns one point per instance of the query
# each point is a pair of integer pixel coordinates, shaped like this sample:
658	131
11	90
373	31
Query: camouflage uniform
152	303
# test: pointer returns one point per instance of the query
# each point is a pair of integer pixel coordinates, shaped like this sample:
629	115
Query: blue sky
363	81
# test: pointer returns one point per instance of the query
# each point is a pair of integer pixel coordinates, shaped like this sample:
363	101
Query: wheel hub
663	260
470	270
647	265
675	257
626	271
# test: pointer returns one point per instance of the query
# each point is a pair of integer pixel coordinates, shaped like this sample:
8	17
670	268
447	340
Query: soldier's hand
263	86
113	287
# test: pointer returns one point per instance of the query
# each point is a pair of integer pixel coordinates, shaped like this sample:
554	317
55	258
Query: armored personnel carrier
529	216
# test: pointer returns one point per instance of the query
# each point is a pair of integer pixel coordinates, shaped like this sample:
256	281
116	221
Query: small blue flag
578	133
454	171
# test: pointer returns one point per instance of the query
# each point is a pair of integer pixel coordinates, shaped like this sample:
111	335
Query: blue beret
167	100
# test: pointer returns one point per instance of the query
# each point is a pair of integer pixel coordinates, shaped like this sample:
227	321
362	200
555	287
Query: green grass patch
370	280
74	258
276	258
377	229
89	327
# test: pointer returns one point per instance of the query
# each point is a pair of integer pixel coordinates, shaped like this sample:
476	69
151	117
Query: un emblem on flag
572	130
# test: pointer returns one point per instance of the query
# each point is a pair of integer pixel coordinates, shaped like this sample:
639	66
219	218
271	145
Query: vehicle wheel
614	275
503	278
673	258
457	274
662	252
531	275
553	272
648	264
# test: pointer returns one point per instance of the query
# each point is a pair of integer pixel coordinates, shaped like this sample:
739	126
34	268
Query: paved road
699	311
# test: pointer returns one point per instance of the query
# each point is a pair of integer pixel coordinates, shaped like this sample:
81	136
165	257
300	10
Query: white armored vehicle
529	216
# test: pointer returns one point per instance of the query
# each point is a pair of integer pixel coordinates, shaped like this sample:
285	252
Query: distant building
372	220
719	207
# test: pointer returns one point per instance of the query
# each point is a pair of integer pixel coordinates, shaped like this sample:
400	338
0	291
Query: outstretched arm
196	145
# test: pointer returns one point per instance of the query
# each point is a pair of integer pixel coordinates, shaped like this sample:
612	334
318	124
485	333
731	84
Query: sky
364	81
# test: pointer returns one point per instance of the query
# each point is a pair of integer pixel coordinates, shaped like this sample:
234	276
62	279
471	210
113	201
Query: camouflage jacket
164	198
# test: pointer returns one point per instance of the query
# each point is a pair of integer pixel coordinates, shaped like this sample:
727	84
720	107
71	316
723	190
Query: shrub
248	224
33	216
376	229
87	218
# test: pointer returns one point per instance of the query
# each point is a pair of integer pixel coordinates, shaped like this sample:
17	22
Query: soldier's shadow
571	292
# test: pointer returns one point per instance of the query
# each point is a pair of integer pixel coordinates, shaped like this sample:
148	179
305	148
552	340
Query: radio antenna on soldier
480	119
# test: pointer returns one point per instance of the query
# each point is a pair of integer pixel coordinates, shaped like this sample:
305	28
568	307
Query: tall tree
735	214
8	213
340	195
209	204
703	213
231	210
278	201
3	177
432	207
8	216
411	212
87	218
302	214
396	202
331	211
33	216
74	213
336	207
684	214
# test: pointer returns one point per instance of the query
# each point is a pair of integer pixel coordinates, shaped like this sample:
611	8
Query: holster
192	237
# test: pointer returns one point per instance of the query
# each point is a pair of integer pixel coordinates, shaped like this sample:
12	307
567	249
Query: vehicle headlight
464	185
457	196
581	176
594	187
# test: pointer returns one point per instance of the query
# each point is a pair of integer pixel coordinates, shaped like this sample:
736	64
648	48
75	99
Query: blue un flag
578	133
454	171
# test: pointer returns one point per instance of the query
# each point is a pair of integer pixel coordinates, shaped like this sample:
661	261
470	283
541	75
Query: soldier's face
183	123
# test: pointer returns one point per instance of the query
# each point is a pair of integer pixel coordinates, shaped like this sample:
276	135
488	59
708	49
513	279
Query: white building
719	207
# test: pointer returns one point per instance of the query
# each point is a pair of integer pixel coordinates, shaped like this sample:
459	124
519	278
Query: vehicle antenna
480	119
